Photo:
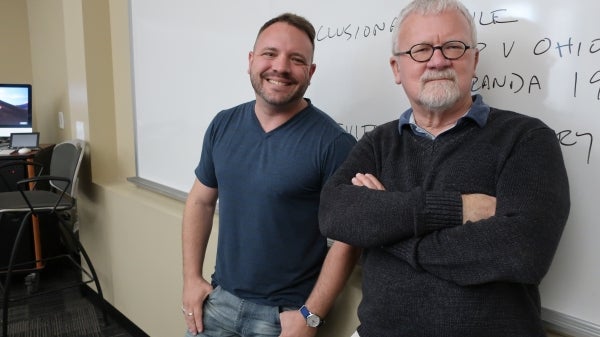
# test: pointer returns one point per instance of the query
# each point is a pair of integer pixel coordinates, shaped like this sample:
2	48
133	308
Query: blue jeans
226	315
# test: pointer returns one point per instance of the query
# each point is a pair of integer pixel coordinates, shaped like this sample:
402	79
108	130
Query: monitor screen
15	109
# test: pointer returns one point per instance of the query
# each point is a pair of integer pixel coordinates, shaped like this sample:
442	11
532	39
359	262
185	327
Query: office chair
10	173
52	194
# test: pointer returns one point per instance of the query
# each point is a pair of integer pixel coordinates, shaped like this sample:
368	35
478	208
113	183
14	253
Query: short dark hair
294	20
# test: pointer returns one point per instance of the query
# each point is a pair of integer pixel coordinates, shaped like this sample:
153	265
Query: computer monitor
15	109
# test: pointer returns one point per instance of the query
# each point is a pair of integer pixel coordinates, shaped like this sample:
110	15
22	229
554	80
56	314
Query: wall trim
569	325
158	188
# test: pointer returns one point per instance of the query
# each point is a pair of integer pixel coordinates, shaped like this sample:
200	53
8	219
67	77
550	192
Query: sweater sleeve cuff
442	210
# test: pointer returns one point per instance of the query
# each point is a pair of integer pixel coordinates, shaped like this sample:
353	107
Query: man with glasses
458	206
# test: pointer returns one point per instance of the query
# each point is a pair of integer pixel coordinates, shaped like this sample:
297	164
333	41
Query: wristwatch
312	320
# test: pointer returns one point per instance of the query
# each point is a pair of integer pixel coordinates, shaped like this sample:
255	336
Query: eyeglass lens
451	50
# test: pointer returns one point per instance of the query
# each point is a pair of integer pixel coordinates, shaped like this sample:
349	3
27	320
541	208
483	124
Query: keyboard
6	152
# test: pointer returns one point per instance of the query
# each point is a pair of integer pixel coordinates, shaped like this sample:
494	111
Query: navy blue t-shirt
270	250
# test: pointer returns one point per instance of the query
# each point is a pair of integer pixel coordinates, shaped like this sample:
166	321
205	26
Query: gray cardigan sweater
424	272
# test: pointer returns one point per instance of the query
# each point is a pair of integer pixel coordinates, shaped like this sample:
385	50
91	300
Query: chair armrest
57	197
26	181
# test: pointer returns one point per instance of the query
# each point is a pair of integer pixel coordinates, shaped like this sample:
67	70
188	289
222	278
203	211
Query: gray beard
439	96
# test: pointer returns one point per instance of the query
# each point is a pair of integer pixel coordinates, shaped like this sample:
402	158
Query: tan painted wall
80	65
15	66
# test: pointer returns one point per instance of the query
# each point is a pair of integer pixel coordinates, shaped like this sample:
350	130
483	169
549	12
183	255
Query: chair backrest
65	162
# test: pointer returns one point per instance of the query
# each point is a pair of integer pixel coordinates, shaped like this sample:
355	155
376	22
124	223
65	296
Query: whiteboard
538	57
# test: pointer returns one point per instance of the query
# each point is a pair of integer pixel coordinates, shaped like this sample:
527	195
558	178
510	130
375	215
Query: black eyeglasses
423	52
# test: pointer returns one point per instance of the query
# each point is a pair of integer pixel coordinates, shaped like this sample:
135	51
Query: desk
42	156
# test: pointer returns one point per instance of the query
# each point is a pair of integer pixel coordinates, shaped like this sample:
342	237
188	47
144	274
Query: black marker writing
595	79
358	130
566	48
353	32
493	19
510	50
514	82
568	138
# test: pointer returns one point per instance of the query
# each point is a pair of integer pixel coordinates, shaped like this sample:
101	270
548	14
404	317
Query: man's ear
476	62
250	58
395	69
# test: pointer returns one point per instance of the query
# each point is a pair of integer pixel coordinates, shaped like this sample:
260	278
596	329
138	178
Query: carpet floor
66	313
78	320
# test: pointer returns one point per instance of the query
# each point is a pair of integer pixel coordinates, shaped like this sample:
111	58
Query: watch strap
304	311
312	320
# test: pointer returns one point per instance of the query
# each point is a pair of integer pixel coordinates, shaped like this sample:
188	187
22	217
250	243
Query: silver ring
186	313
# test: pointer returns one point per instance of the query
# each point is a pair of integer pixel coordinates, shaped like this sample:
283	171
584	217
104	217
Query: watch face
313	321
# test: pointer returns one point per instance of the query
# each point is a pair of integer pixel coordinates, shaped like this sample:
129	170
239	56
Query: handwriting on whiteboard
513	82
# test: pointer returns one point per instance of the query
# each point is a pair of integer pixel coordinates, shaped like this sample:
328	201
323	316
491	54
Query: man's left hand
367	180
293	324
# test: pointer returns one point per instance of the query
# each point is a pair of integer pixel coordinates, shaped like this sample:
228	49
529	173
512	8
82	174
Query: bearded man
458	206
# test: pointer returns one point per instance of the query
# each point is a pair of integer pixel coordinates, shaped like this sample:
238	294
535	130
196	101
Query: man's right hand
195	293
478	207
